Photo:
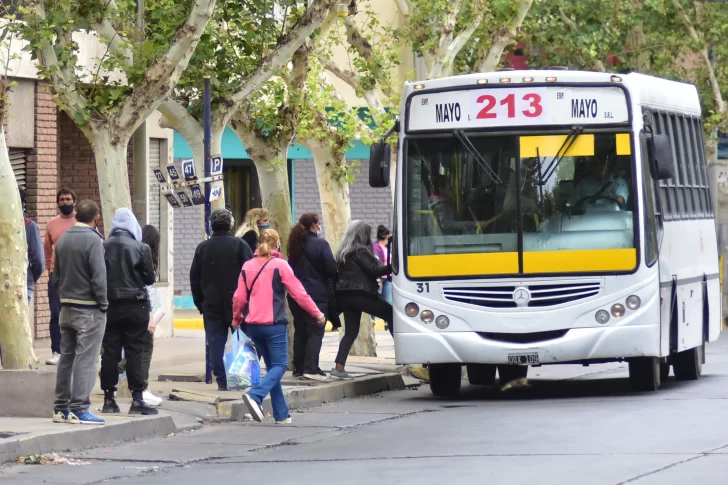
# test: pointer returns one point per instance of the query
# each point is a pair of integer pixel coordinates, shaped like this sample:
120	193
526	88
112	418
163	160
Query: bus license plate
523	359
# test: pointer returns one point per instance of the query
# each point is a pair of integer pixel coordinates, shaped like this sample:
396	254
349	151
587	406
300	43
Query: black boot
110	406
138	406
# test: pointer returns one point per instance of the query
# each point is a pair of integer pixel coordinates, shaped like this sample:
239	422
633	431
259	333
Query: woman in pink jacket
260	301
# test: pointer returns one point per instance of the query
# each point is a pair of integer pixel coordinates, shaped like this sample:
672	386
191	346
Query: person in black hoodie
129	270
213	280
357	288
313	264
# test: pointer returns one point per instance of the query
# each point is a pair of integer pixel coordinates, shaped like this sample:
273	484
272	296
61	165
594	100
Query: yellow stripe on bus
548	146
462	264
624	147
575	261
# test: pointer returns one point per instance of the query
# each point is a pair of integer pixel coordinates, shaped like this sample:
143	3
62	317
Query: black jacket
251	238
360	272
129	268
214	274
316	268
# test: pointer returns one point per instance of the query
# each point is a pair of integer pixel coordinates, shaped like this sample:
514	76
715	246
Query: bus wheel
644	374
481	374
688	364
445	379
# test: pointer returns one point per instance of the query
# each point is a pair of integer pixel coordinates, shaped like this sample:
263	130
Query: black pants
307	339
353	304
216	332
54	302
147	357
127	326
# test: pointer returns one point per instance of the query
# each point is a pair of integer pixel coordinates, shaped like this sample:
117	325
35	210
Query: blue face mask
263	227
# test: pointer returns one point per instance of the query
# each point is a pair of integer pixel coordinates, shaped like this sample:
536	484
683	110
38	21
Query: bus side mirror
380	156
661	157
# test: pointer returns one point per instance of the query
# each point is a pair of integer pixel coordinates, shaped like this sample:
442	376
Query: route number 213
530	101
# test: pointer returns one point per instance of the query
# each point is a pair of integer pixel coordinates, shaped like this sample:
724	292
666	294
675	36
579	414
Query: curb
197	324
77	437
315	396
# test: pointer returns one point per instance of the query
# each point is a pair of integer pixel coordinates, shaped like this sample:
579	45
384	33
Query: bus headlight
633	302
618	310
602	317
442	322
411	310
427	316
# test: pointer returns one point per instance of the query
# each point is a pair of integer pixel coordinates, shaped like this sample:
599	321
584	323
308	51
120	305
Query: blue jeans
271	342
216	333
387	291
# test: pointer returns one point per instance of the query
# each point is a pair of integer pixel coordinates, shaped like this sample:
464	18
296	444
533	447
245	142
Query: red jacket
268	301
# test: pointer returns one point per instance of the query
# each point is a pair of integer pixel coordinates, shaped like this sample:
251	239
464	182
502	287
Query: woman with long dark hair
357	288
152	238
313	264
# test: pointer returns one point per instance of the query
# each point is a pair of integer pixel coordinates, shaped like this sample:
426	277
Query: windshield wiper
463	138
560	153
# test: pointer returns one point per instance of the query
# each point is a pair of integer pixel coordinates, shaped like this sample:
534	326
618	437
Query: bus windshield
574	193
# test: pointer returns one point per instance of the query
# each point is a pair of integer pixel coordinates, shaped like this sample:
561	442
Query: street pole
207	115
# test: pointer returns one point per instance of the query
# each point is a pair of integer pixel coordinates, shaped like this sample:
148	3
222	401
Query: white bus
551	217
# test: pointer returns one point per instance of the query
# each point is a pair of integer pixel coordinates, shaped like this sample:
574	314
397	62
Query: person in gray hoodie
80	277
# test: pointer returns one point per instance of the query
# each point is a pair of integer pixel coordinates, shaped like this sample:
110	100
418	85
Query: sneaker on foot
297	373
341	375
142	408
110	406
54	359
516	384
321	373
315	377
285	421
255	410
60	416
151	398
89	418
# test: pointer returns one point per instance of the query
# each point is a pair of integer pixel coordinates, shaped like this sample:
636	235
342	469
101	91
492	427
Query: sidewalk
180	363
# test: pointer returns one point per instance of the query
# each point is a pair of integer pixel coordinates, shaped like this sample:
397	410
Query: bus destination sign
517	106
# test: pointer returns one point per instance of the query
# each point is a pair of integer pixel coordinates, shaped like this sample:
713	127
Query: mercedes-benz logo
521	296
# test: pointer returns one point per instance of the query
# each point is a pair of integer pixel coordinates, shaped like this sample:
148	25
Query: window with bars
687	194
18	160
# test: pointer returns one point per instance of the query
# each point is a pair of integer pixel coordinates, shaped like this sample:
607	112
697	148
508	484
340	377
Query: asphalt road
576	425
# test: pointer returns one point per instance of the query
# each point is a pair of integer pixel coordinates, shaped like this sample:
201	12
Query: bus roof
644	90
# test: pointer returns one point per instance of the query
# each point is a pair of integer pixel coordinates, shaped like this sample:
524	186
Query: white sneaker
315	377
151	399
288	420
255	410
54	359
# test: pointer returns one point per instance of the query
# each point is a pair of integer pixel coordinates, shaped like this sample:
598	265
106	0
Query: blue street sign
172	200
198	196
172	171
188	169
160	176
183	197
216	165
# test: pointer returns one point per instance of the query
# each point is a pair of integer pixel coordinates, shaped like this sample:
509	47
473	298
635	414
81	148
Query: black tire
508	373
644	374
481	374
664	372
445	379
688	364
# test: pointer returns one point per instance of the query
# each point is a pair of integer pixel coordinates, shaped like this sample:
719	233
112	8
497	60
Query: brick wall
42	175
78	165
188	233
368	204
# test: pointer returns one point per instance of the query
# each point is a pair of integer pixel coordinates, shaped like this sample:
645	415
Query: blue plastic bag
242	365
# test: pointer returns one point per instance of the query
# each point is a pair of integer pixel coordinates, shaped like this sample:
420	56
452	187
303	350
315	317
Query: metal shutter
155	156
19	164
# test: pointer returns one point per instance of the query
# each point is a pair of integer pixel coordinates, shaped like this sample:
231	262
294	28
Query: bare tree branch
350	78
720	106
505	37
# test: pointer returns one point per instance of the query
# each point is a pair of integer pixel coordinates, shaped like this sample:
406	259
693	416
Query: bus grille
531	296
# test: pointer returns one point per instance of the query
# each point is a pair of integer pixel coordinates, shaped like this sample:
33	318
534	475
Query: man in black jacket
129	269
213	279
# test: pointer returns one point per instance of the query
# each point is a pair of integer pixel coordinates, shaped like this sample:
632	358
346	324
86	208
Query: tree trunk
15	333
334	191
111	168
